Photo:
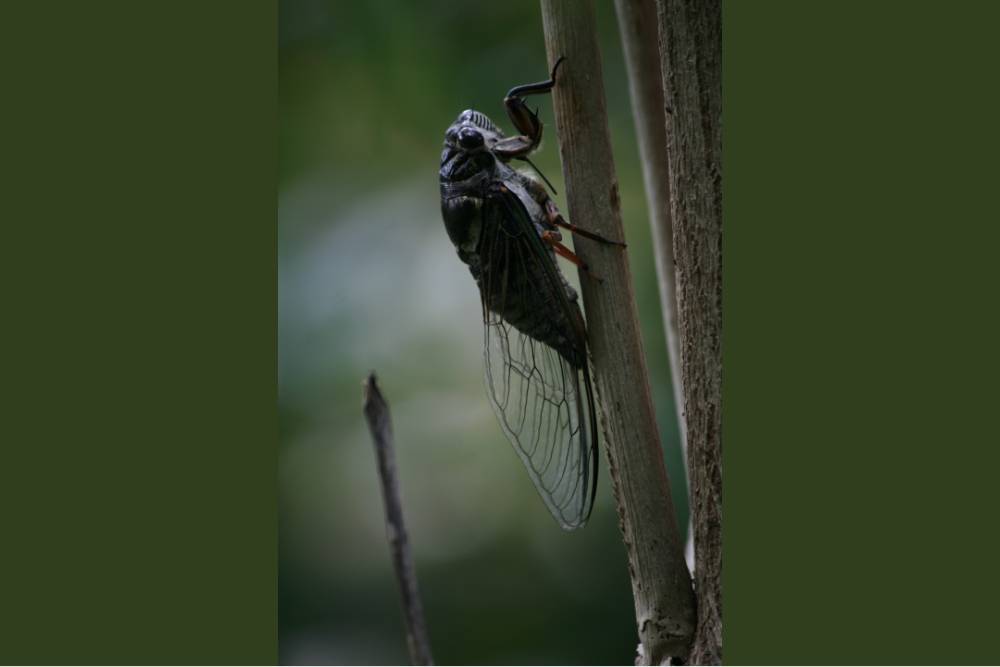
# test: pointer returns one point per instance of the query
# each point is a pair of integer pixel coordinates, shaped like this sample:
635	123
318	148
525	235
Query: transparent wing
537	398
543	401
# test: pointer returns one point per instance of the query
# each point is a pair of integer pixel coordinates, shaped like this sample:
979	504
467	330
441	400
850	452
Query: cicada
505	227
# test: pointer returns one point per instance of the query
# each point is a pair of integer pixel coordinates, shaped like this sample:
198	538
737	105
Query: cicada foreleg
525	120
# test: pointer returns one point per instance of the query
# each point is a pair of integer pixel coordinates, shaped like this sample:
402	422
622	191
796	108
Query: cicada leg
555	219
554	238
525	120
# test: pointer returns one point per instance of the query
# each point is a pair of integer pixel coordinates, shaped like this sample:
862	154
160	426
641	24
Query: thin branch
661	583
377	414
640	42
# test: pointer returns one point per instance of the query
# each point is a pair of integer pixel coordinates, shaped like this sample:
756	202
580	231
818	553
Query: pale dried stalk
661	583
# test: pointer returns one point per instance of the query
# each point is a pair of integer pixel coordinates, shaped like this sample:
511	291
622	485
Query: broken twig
377	414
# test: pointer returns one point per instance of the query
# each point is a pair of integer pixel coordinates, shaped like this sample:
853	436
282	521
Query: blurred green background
368	280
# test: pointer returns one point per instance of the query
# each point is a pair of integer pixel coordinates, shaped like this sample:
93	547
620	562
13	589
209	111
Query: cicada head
473	131
467	144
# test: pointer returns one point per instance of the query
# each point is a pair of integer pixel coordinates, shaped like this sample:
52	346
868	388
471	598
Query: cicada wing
544	411
544	403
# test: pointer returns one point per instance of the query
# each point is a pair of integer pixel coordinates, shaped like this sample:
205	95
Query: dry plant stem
661	584
640	42
377	414
691	53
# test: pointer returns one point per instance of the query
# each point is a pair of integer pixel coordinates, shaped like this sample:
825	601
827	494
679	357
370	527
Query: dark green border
860	372
139	436
138	473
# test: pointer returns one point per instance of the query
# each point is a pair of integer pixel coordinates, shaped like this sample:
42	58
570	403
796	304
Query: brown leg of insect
554	217
553	238
525	120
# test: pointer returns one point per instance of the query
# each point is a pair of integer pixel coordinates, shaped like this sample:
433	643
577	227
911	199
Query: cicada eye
469	138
